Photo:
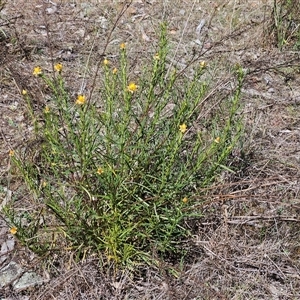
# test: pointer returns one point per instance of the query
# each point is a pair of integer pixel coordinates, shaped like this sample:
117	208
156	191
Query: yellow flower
185	200
13	230
80	100
47	109
37	71
123	46
115	71
58	67
203	64
217	140
132	87
156	56
11	153
100	171
44	183
182	128
24	92
106	62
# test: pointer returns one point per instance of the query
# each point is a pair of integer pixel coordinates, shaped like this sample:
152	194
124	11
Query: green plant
118	172
286	23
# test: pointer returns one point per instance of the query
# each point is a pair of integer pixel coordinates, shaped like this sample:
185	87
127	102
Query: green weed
119	173
286	23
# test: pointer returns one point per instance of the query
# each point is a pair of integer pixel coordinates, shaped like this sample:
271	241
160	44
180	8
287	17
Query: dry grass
247	245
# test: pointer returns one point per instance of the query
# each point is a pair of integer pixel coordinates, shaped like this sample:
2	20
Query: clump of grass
119	173
286	23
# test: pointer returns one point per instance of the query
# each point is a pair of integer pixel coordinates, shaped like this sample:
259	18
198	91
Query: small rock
27	280
12	271
6	247
200	26
9	273
51	10
103	22
268	79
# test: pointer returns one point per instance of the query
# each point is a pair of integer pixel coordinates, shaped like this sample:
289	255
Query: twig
8	22
266	255
245	219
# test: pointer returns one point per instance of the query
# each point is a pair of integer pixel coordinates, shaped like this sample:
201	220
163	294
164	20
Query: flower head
156	56
132	87
203	64
58	67
115	71
122	46
46	109
44	184
11	153
185	200
24	92
217	140
13	230
37	71
106	62
100	171
182	128
80	100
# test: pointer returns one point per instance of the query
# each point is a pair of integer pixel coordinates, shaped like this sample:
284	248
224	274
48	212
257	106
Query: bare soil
247	245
